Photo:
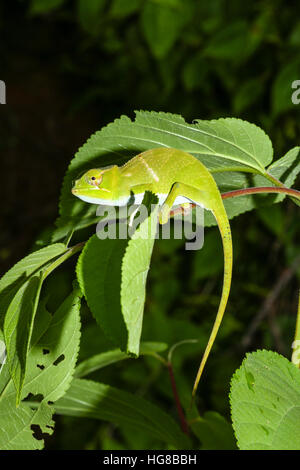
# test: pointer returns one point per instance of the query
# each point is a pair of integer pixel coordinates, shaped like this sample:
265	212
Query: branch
183	422
271	298
245	192
262	189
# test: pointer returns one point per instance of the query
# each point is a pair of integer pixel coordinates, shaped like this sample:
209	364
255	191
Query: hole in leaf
33	400
38	433
59	359
46	351
31	397
40	366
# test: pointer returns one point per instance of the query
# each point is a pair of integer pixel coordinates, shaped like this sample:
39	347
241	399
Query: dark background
70	67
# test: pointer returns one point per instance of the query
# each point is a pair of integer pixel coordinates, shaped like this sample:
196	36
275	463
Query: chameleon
176	178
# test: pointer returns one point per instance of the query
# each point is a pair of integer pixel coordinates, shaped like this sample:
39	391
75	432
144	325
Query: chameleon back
164	166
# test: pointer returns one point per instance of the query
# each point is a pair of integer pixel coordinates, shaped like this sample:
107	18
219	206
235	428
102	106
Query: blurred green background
71	67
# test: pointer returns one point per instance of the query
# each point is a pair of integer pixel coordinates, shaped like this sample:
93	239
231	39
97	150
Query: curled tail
224	227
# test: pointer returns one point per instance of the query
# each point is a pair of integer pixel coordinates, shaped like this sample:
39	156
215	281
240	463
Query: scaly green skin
176	177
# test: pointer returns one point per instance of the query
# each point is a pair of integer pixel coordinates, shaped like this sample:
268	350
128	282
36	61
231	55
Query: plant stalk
296	343
183	422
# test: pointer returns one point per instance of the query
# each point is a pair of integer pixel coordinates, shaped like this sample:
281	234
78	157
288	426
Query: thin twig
276	331
270	300
244	192
261	189
296	343
183	422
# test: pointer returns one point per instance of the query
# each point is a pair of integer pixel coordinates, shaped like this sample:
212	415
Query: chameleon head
96	186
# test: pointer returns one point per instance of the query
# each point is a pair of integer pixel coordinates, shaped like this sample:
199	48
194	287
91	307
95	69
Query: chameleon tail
224	227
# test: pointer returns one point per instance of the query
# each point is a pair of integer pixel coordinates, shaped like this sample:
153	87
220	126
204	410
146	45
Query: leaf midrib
199	143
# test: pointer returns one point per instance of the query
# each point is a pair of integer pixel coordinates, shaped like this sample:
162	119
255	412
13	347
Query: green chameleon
177	178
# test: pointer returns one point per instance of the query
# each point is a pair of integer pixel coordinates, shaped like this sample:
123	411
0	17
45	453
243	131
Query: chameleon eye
94	181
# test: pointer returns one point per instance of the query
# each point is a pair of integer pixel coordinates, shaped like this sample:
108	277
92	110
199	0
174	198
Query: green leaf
122	9
112	274
247	94
265	403
19	296
99	276
18	327
214	432
294	38
162	23
235	142
230	148
44	6
21	272
56	352
107	358
286	169
95	400
135	267
232	43
50	365
89	14
195	73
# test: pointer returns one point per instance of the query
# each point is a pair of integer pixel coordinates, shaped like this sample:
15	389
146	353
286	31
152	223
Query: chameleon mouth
89	188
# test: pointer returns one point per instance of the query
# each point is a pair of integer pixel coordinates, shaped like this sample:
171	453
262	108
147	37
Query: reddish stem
246	192
183	423
262	189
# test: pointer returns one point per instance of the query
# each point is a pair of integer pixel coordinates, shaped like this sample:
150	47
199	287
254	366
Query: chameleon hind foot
164	214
